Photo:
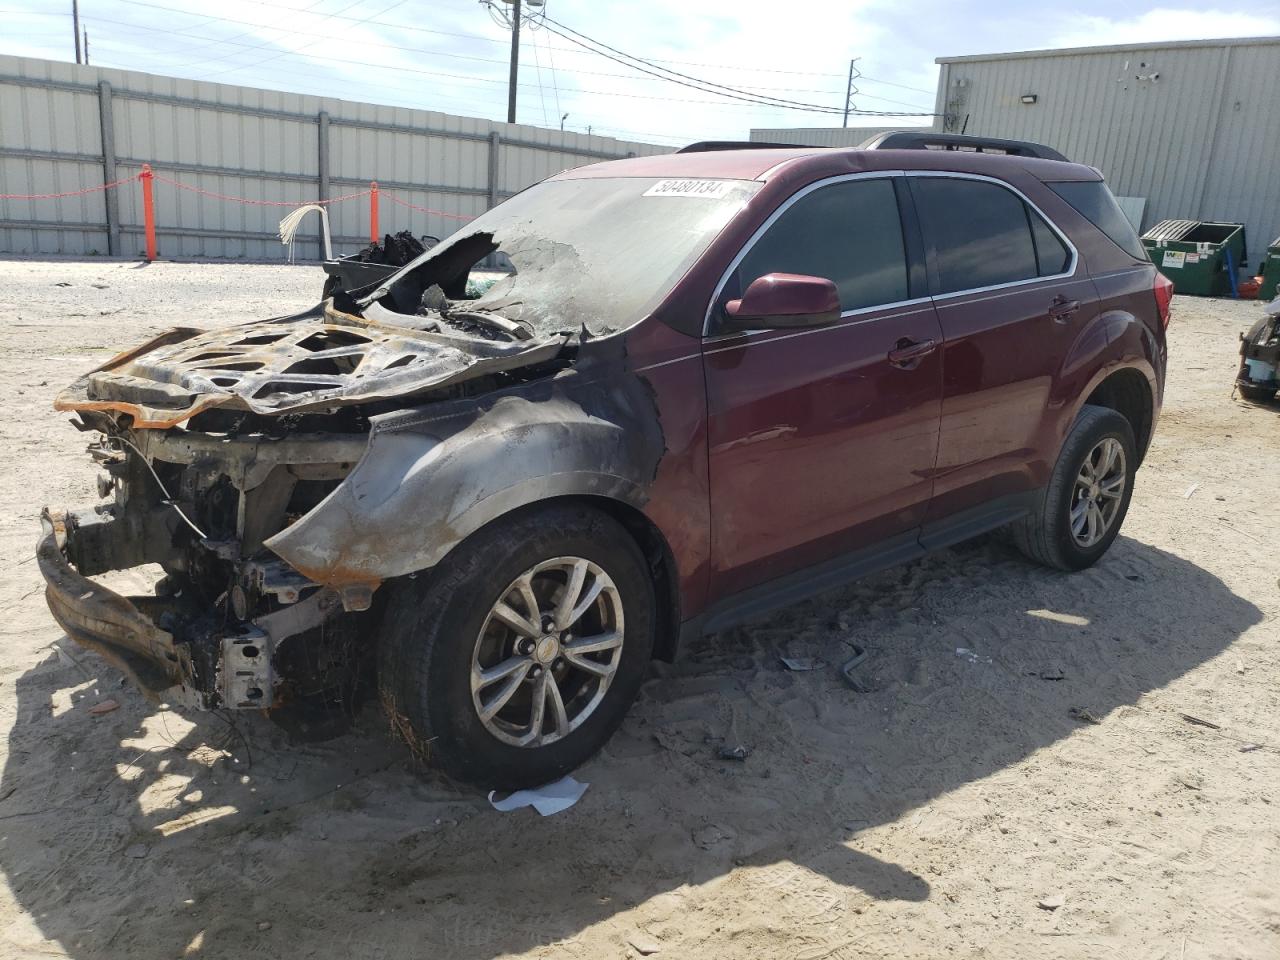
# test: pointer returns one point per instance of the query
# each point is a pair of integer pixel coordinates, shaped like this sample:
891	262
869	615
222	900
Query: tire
442	626
1256	394
1046	534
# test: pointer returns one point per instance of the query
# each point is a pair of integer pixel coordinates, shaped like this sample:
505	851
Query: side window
982	233
1052	254
1093	199
848	232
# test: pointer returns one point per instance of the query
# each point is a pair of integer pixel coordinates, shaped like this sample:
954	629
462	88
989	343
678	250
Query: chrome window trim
881	174
716	344
773	217
1066	274
1136	268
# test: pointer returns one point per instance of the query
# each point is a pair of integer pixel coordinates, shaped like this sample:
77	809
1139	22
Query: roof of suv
824	161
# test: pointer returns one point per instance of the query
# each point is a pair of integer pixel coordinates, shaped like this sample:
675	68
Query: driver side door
823	440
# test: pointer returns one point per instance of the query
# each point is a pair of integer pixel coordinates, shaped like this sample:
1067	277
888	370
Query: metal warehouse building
817	136
1193	127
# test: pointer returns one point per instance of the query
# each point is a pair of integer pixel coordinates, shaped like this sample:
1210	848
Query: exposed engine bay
212	443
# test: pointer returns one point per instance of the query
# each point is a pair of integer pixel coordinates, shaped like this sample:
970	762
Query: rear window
983	235
1093	201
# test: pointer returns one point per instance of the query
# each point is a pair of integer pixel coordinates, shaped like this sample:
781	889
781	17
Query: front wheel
1088	494
516	658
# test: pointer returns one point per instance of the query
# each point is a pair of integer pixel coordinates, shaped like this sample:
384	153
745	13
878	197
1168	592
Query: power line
408	49
706	86
542	93
277	56
571	50
466	78
735	92
555	83
248	33
757	100
275	41
483	39
682	79
748	97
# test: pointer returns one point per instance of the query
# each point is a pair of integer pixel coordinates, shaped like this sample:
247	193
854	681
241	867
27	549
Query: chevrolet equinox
705	384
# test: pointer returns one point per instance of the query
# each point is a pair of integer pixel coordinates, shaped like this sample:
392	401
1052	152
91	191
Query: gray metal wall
1201	141
818	136
245	142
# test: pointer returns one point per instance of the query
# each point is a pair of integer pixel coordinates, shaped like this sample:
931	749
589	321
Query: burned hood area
340	353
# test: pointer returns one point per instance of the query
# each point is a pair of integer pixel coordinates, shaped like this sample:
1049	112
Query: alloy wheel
1099	490
547	652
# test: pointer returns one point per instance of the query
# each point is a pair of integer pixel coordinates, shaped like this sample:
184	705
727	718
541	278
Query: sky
451	55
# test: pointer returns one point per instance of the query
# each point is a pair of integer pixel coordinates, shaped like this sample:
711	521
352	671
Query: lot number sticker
1174	258
710	189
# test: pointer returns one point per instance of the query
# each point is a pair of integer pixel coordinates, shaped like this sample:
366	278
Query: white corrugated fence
66	129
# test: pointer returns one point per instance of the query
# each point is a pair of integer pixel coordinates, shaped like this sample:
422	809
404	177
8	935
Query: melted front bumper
171	655
114	626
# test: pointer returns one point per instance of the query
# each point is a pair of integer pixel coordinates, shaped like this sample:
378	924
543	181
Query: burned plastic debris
375	262
396	249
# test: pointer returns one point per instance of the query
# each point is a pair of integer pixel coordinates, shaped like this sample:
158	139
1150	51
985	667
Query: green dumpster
1270	271
1194	254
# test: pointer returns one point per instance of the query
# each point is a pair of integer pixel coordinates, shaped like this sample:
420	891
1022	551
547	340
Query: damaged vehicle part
313	361
1258	378
702	386
375	262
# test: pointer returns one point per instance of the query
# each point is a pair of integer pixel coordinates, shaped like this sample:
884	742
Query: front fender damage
431	477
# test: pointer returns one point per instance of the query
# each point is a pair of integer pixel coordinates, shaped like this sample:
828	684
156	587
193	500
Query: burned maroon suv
704	385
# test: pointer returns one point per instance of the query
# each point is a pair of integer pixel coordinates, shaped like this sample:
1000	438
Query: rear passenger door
1011	296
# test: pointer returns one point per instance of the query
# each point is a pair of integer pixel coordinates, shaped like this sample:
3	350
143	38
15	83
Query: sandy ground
927	818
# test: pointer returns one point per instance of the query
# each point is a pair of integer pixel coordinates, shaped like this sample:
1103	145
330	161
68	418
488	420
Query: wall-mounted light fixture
1029	98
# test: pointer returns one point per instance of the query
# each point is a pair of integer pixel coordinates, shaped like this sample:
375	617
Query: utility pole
86	46
515	61
848	94
75	25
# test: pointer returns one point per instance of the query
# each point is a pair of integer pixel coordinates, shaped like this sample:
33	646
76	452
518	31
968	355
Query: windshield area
586	257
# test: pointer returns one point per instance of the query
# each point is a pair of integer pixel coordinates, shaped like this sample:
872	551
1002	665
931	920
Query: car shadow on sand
136	834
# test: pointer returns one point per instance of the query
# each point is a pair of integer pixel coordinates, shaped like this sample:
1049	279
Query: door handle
1062	309
908	352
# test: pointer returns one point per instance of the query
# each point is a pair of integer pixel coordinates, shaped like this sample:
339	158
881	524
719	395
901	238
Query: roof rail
928	140
707	146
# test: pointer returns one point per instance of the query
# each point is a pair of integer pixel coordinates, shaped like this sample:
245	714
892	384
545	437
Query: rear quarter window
1092	199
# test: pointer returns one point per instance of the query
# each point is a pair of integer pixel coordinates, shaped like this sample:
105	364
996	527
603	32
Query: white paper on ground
548	799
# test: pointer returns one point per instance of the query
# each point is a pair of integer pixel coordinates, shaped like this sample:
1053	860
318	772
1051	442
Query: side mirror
783	300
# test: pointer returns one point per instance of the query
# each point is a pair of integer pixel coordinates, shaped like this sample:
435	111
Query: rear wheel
1088	494
516	658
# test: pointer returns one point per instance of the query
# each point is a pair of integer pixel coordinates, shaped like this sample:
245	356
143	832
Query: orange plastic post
374	236
148	212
